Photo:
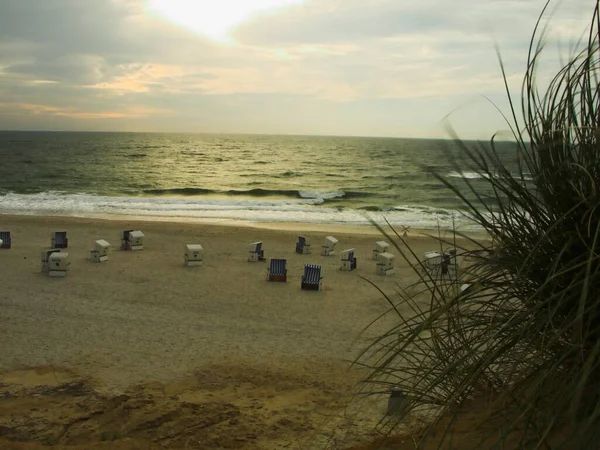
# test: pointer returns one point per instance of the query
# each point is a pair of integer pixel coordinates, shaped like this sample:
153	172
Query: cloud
323	63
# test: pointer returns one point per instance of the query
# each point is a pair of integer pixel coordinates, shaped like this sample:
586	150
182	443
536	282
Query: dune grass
526	334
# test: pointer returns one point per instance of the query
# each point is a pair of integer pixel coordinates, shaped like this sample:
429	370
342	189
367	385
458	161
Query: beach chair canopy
5	238
255	247
278	267
347	255
60	237
330	242
312	274
381	246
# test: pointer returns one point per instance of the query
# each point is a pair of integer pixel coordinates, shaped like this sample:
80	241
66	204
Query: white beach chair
194	255
55	263
328	247
379	247
385	263
441	264
256	252
347	260
132	240
100	251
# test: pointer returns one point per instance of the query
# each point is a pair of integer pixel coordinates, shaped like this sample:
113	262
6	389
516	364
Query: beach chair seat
194	255
328	247
100	251
303	245
58	239
277	270
256	252
347	260
6	240
312	278
132	240
385	263
379	247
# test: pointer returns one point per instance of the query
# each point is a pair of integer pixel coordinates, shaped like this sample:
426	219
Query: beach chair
379	247
431	260
277	270
132	240
397	402
100	251
303	245
385	263
58	239
312	278
6	241
194	255
347	260
256	252
55	263
441	264
328	247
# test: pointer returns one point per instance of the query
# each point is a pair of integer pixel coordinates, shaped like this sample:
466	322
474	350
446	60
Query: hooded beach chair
55	263
303	245
328	247
256	252
100	251
194	255
385	263
58	239
277	270
347	260
5	240
444	264
312	278
379	247
132	240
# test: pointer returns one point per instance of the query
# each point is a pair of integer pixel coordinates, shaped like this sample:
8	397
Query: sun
214	19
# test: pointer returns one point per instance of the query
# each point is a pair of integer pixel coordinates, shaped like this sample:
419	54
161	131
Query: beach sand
142	350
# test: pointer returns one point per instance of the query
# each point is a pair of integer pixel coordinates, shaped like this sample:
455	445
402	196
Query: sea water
255	178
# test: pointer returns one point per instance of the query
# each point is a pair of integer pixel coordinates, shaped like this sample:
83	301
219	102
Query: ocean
250	178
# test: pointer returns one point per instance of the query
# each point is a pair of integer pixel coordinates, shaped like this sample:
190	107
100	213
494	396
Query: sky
401	68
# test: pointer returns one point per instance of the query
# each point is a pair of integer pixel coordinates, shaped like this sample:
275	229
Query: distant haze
331	67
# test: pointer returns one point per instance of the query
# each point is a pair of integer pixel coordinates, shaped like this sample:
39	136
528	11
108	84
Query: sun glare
215	19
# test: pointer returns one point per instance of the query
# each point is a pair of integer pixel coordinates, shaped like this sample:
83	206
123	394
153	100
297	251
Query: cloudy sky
336	67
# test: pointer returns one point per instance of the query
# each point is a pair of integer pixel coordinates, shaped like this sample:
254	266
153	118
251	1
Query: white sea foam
254	210
321	195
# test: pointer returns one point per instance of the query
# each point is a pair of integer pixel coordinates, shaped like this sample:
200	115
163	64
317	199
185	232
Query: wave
261	192
179	191
479	176
297	210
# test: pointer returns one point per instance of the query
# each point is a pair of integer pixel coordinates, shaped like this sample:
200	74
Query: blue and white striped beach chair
6	240
312	278
277	270
59	239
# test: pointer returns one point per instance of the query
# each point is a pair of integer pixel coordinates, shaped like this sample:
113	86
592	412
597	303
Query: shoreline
366	230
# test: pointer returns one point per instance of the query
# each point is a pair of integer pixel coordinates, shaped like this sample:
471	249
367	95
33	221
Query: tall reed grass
525	336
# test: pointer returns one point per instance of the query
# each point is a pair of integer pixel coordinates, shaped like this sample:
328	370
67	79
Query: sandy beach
268	363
